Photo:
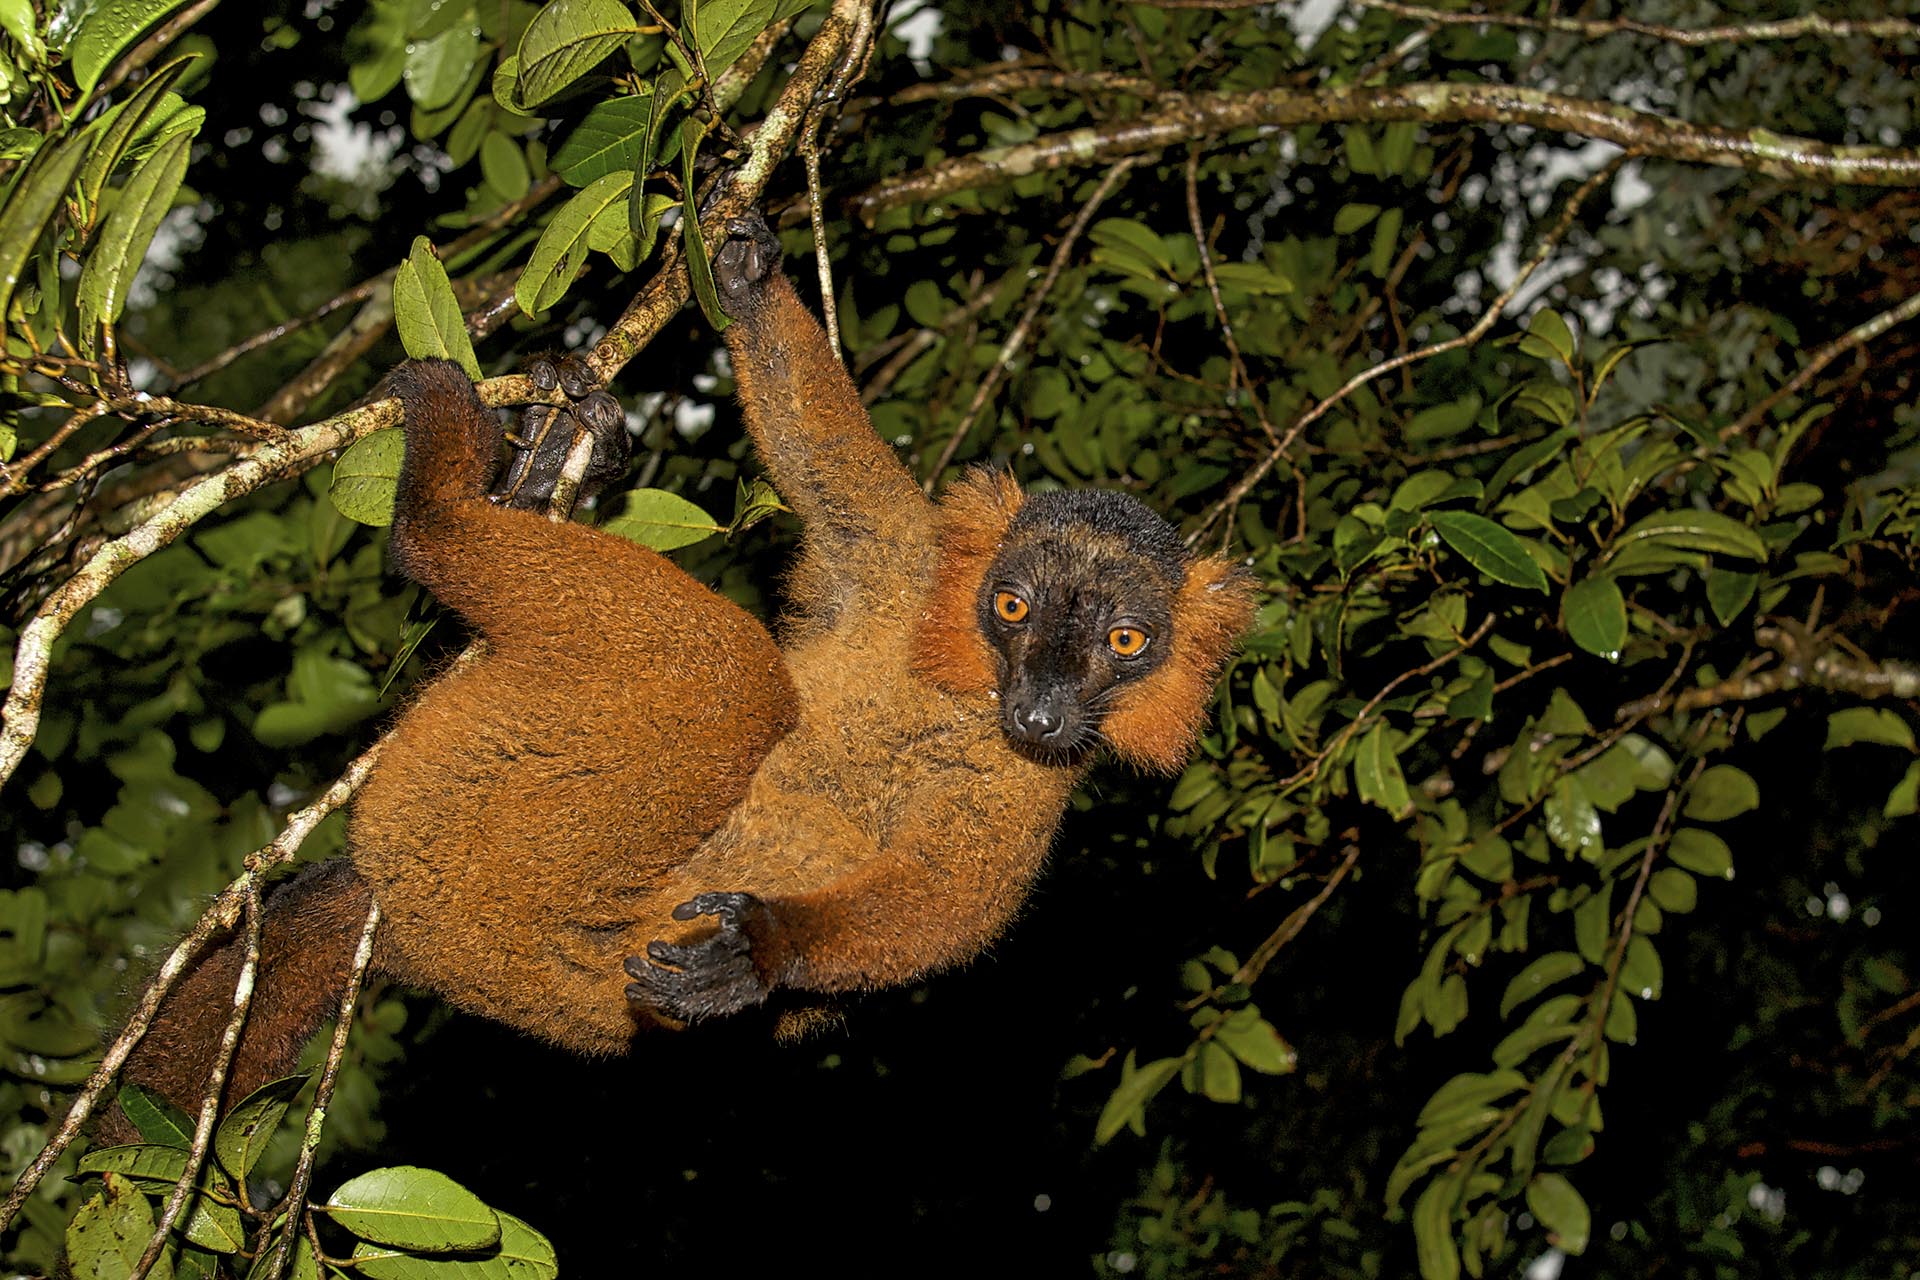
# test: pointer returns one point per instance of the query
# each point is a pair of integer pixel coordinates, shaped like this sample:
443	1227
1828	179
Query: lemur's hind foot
750	255
546	434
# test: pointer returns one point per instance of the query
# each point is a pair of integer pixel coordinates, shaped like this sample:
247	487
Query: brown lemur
635	808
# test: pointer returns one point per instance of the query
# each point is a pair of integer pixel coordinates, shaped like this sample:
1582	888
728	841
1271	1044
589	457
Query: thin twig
184	1189
1859	335
295	1203
1296	920
1352	727
1548	243
219	917
922	339
1018	338
152	47
1239	379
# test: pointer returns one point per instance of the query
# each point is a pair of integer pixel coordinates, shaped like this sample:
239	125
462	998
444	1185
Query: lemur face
1077	604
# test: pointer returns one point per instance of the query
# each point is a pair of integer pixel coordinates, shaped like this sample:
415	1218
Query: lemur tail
308	935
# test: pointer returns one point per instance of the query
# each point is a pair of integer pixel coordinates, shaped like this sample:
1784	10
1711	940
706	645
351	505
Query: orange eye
1010	607
1127	641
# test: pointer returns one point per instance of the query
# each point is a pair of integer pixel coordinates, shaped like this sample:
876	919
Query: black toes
546	434
750	256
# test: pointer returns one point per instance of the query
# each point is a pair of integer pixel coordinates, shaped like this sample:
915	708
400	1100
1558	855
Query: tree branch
1184	119
1859	335
1018	338
1811	24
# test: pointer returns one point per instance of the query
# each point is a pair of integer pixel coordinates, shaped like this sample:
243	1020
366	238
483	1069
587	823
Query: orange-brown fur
628	739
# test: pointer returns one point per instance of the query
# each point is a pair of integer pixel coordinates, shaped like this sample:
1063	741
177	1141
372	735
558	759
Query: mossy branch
1186	119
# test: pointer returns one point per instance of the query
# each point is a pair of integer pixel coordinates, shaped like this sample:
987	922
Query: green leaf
110	1232
31	203
243	1135
1904	799
1433	1230
378	46
1560	1210
1596	615
526	1252
1674	890
504	166
1868	724
1489	548
1253	1040
439	66
1545	971
1721	792
18	20
1572	820
566	40
1137	1087
693	235
522	1254
1728	593
156	1119
420	1210
116	256
1640	972
427	314
123	124
1701	852
1466	1095
1136	241
108	29
1377	774
1695	531
1442	421
1549	337
1351	217
722	29
1593	924
661	520
610	139
563	245
366	475
753	501
1214	1074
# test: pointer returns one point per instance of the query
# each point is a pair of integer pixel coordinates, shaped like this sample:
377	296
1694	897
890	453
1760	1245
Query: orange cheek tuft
1156	721
948	649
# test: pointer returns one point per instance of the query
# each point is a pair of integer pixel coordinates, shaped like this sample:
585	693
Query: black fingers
710	978
730	907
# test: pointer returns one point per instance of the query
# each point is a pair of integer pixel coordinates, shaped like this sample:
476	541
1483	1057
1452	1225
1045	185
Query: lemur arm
943	886
862	513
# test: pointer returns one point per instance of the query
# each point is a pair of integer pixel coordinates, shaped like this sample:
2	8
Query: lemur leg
546	435
527	800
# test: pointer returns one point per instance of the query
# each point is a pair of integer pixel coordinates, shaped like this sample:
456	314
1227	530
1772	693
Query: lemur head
1083	612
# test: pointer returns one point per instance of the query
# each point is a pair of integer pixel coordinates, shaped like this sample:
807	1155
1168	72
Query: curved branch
1185	119
262	465
1861	334
1807	24
1018	338
219	916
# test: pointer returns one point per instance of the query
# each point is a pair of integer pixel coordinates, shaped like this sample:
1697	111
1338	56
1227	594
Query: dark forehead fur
1117	520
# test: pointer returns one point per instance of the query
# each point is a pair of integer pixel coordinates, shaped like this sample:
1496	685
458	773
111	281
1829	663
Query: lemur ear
948	649
1156	720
